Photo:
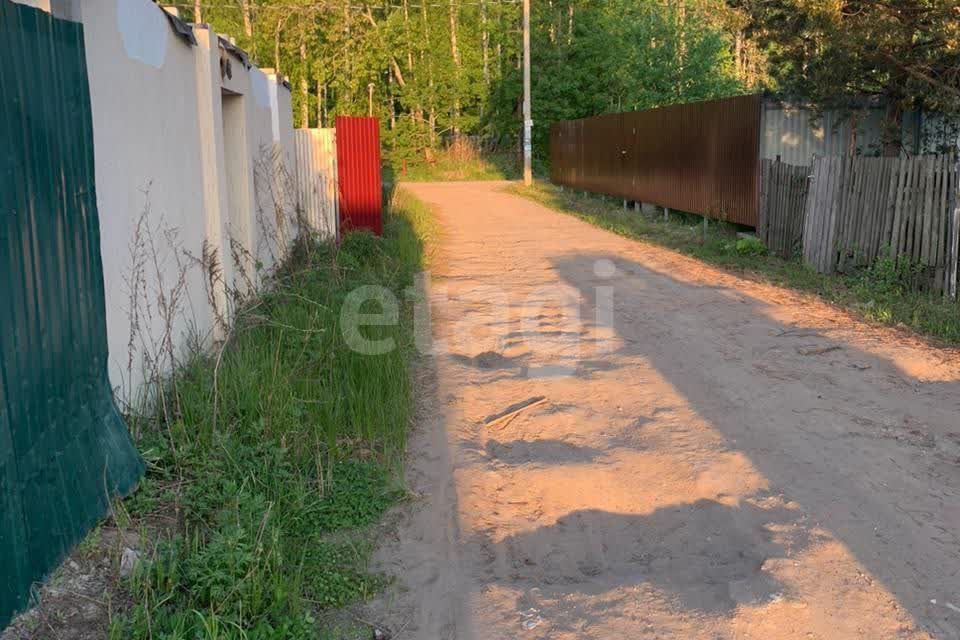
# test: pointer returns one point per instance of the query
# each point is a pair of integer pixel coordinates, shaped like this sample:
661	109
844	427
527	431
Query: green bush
888	277
751	246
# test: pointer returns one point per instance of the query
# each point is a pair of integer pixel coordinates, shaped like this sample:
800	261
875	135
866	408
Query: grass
881	293
461	162
275	459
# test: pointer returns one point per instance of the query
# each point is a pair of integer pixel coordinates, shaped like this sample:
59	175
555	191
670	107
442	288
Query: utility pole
527	117
370	99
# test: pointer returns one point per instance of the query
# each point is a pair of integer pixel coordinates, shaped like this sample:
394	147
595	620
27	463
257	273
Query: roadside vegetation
463	159
497	166
881	293
272	461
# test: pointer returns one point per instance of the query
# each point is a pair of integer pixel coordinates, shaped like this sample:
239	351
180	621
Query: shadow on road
839	431
705	556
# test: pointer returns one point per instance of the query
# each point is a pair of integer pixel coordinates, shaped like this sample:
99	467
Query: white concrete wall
281	106
172	183
36	4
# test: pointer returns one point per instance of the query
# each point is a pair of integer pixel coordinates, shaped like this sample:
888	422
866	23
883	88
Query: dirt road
715	458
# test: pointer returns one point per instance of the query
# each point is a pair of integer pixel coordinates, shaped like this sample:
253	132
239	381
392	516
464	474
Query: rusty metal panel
701	157
358	167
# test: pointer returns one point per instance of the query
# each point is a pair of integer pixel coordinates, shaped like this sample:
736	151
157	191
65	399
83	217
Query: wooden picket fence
858	208
783	197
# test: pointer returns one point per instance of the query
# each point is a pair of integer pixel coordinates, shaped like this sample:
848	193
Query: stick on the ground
513	410
817	352
797	333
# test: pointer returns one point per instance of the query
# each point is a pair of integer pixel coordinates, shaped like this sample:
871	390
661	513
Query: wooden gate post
955	227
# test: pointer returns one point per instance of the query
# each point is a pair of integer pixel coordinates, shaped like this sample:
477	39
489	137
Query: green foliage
889	276
284	454
358	497
447	165
885	292
332	576
588	57
261	565
358	249
629	56
836	53
751	246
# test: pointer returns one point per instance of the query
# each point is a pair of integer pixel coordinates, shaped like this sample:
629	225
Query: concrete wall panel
176	180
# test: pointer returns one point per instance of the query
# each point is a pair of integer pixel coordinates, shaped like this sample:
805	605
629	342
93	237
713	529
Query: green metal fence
64	449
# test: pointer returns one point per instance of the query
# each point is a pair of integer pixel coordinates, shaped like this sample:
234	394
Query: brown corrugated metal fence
702	157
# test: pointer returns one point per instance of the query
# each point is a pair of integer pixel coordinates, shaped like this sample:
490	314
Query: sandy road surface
715	459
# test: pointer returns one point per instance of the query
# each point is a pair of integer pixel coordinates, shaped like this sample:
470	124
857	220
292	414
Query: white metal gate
316	151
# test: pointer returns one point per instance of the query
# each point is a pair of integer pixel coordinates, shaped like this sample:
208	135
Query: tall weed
285	447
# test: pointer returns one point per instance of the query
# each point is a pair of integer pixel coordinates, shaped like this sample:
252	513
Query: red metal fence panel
701	158
358	168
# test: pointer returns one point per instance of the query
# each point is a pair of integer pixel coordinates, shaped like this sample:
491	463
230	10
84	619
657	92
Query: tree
625	55
904	52
439	67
